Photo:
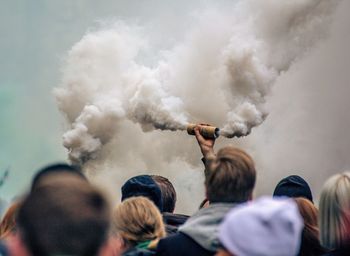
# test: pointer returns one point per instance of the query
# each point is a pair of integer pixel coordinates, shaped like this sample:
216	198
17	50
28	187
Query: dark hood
172	221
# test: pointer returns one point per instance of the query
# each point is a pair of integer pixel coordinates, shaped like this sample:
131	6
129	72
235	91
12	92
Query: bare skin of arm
206	145
207	148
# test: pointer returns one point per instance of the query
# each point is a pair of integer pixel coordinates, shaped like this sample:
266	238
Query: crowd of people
64	214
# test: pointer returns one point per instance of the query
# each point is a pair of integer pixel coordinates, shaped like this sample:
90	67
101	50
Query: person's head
232	177
66	216
334	211
293	186
55	170
143	185
168	192
266	227
8	222
137	220
310	244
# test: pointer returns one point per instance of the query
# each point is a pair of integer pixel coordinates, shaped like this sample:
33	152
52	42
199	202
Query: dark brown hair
57	168
168	192
64	216
232	177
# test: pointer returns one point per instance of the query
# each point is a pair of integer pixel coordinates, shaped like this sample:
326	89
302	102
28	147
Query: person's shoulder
3	249
172	240
174	219
169	245
172	222
139	252
180	244
339	252
176	244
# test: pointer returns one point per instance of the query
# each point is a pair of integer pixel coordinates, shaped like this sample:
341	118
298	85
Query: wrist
208	152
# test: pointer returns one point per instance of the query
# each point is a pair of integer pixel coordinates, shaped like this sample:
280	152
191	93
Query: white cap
267	226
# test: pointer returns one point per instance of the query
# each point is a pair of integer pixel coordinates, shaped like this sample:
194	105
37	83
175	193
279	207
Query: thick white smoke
103	84
220	73
267	37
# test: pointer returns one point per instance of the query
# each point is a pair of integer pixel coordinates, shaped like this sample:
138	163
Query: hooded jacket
172	221
199	235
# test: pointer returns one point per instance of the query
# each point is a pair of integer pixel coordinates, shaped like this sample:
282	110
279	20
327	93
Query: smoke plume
221	72
267	38
103	84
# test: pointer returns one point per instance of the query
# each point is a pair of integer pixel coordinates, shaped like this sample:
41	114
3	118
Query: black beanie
143	185
293	186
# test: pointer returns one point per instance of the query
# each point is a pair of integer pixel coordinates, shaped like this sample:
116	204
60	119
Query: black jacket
180	244
3	250
172	221
139	252
339	252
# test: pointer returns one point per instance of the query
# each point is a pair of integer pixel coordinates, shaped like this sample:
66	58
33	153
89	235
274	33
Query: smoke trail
152	107
232	63
266	41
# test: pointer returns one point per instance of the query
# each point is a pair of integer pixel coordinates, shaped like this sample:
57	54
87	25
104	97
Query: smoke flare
105	84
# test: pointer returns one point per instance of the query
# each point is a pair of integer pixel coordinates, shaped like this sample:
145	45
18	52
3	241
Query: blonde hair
136	220
334	211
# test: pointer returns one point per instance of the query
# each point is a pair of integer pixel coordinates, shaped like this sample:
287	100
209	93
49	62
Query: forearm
208	161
